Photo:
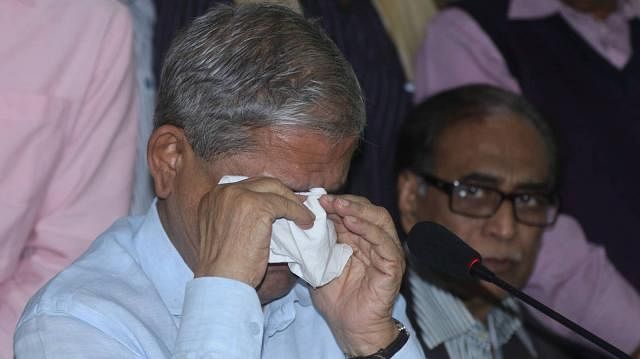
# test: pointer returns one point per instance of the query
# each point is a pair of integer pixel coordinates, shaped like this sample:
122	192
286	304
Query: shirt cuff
221	318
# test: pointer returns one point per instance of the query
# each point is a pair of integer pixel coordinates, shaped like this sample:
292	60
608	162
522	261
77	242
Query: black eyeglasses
472	200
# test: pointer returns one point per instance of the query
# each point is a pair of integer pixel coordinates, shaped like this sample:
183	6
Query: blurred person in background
482	145
577	61
68	107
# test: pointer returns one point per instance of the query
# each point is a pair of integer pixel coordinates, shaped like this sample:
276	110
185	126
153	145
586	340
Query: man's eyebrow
481	177
485	179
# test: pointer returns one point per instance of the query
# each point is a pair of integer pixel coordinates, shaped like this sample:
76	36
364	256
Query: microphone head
435	248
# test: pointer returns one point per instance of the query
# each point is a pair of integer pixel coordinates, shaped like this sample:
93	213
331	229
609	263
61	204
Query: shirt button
254	328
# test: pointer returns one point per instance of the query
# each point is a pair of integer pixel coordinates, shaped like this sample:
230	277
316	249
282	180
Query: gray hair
237	69
428	120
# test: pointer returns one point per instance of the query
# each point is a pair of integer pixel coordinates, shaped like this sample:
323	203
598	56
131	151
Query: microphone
442	251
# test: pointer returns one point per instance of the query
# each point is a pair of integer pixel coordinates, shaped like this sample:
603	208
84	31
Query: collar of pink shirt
531	9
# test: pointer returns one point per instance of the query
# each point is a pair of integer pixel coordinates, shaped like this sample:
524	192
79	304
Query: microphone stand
482	272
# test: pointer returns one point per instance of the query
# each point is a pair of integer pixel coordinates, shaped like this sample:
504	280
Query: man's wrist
394	346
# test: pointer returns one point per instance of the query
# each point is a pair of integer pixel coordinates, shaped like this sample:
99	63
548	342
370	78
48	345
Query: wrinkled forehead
306	159
505	148
300	159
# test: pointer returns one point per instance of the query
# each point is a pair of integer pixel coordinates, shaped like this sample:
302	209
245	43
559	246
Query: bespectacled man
480	161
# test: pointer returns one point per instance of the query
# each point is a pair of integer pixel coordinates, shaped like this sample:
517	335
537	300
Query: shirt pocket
31	143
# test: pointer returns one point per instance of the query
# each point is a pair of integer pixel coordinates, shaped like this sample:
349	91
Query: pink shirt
457	51
572	275
68	112
575	278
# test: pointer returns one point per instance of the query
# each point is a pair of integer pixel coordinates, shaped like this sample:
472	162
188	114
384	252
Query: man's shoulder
565	227
107	271
108	295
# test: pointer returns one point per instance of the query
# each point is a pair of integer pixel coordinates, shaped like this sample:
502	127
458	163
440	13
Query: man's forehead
301	175
299	159
504	149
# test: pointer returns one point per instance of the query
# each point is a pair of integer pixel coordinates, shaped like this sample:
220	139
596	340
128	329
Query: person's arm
456	52
90	185
359	305
230	328
74	339
575	277
221	318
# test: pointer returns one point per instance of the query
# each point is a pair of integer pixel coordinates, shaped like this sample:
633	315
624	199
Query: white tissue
312	254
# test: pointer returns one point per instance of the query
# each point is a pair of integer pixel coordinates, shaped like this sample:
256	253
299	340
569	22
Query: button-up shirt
67	145
132	296
443	319
456	51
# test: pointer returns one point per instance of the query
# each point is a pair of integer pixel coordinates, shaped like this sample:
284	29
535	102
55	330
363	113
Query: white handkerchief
312	254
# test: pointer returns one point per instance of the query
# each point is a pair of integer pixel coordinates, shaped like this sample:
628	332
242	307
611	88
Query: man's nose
502	225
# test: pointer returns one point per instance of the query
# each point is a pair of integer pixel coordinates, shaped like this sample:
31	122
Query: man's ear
165	153
408	188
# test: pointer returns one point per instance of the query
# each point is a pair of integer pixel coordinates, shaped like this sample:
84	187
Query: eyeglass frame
449	187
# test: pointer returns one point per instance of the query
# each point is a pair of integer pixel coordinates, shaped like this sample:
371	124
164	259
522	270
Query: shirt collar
528	9
161	262
280	313
449	319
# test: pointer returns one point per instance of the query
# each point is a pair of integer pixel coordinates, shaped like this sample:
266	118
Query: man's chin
277	283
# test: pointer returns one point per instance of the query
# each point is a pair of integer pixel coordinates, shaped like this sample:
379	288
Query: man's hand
235	227
359	303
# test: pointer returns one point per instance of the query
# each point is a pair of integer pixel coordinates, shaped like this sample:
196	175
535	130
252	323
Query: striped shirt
442	318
